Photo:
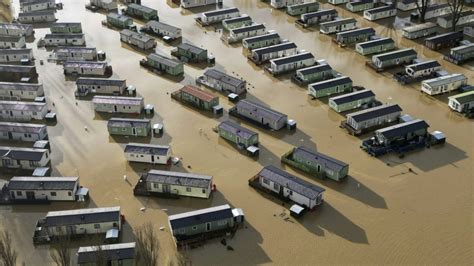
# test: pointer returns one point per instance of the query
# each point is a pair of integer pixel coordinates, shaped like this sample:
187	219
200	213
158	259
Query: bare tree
8	255
100	253
147	245
422	7
61	253
182	256
456	7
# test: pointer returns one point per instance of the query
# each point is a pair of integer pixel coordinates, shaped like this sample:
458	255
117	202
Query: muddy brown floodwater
382	214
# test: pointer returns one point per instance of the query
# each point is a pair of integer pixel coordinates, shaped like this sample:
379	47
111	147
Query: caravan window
97	226
188	189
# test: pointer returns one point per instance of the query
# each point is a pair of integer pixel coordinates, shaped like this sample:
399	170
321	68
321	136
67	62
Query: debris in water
142	209
175	160
224	242
230	248
189	166
125	177
85	128
162	228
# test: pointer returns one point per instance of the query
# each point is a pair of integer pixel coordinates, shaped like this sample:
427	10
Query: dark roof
314	69
42	183
21	127
163	60
338	22
403	128
262	37
112	252
424	65
360	2
10	38
319	13
198	93
17	69
127	122
261	110
371	113
275	48
22	106
463	14
37	13
82	216
321	85
223	77
463	98
395	54
178	178
192	48
355	32
319	158
237	129
291	182
445	37
144	9
292	58
237	19
381	9
353	96
201	216
377	42
248	28
16	153
147	149
100	81
64	35
221	11
20	86
436	6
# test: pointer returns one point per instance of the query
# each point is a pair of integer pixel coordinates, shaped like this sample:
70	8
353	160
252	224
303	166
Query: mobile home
395	58
265	40
23	131
420	30
197	3
314	18
100	86
360	5
443	84
119	21
284	184
164	64
196	97
365	120
337	25
86	68
20	91
465	17
190	53
264	54
354	36
65	39
436	10
284	3
260	114
401	132
9	41
35	5
40	16
330	87
139	40
237	22
70	53
16	55
23	111
290	63
406	5
239	34
177	183
17	73
463	102
107	5
110	254
313	74
66	27
23	158
237	134
375	46
380	12
222	82
115	104
445	40
215	16
461	54
147	153
162	29
298	9
423	69
16	29
337	2
33	188
353	100
129	127
141	12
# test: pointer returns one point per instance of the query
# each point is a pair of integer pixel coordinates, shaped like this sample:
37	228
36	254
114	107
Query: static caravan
138	40
40	16
9	41
205	223
264	54
360	5
129	127
23	158
284	184
16	55
463	102
119	21
162	29
406	5
196	97
73	39
110	254
354	36
16	73
443	84
291	62
423	69
70	53
461	54
436	10
380	13
66	27
141	12
337	2
164	64
313	74
284	3
35	5
401	132
420	30
351	100
190	53
298	9
316	164
177	183
339	25
395	58
147	153
239	34
197	3
265	40
330	87
375	46
107	5
100	86
260	114
314	18
376	117
23	111
222	82
465	17
34	188
80	222
86	68
211	17
237	134
445	40
23	131
15	29
20	91
237	22
115	104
